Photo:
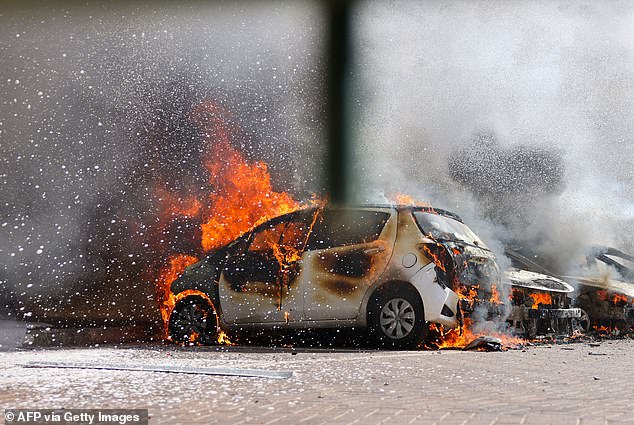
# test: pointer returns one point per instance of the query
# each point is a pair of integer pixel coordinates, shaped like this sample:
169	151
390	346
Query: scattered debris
485	343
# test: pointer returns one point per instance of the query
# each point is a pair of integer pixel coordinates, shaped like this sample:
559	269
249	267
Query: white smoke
546	76
86	85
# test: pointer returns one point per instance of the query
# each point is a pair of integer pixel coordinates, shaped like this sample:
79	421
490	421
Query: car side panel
410	264
335	281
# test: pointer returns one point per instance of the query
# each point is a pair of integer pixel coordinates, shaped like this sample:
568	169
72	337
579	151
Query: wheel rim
192	319
397	318
584	321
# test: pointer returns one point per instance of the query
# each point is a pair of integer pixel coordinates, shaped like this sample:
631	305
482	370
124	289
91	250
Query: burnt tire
396	319
583	323
193	321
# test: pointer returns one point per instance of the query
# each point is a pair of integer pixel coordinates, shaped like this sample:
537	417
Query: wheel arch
203	278
189	296
386	287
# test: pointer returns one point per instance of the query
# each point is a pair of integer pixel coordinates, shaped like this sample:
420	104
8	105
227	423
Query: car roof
402	207
398	207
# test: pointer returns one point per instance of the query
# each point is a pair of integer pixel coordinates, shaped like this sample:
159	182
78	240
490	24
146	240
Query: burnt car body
541	306
389	269
603	281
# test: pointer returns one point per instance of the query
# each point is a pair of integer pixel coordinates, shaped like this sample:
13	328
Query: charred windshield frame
442	227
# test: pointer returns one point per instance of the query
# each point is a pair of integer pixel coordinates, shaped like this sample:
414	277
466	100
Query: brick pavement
558	384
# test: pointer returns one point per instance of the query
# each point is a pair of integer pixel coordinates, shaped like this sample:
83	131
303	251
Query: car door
256	285
346	253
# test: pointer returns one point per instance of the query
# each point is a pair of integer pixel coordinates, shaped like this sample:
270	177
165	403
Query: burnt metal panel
554	313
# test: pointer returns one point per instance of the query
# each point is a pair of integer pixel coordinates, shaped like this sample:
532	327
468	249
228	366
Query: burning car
542	306
604	282
389	269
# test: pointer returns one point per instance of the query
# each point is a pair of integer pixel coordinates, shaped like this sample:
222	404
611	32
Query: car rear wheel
193	321
397	319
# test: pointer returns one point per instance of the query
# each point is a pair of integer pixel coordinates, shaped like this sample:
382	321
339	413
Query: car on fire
603	280
387	269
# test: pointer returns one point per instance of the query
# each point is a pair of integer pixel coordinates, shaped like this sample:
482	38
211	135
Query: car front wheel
193	321
397	319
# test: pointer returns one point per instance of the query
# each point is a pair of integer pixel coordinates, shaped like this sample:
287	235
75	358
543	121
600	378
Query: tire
583	323
193	321
396	319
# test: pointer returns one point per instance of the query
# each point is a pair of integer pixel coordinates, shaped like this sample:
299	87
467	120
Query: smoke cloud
94	118
516	115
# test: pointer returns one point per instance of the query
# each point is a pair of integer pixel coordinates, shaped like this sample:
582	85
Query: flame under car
391	270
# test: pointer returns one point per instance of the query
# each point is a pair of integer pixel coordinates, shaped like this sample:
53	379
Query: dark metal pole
338	54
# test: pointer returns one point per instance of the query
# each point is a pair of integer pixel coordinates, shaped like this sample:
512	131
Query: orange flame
619	299
540	298
404	199
461	337
495	295
167	300
242	197
176	264
222	337
175	206
454	338
468	292
438	262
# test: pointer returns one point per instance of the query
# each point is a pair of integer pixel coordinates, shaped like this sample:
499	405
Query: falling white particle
39	251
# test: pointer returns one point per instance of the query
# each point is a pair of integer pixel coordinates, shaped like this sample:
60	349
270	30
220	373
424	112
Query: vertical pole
337	80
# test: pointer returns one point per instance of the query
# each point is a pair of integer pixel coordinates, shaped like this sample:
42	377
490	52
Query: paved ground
560	384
